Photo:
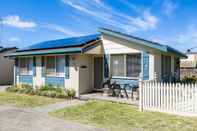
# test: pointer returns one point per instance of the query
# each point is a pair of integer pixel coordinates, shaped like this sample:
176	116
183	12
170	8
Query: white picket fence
169	97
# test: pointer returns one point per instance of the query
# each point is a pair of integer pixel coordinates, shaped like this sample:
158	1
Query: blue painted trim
145	58
34	66
141	41
67	72
43	66
26	79
106	66
55	81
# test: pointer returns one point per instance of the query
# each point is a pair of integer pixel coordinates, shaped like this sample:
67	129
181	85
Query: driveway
20	119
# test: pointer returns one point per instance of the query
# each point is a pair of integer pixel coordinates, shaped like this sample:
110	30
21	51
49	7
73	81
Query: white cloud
14	39
188	37
61	29
182	40
15	21
169	6
105	14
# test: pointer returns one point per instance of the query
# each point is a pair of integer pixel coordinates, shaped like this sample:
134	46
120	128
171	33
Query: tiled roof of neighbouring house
62	43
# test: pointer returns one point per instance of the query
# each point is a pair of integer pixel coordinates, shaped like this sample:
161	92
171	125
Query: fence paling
170	97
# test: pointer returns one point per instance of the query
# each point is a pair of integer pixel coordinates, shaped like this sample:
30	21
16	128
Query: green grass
121	117
22	100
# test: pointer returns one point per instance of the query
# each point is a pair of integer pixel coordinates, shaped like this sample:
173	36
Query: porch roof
143	42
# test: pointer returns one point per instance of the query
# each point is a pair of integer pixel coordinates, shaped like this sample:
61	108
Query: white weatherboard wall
113	45
80	78
85	73
38	80
73	81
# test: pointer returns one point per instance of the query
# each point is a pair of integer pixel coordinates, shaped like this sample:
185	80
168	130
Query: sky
169	22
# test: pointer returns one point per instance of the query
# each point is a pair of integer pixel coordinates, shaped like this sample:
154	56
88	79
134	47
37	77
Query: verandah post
140	93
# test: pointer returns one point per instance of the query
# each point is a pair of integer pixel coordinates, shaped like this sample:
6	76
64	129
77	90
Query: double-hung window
126	65
24	64
55	65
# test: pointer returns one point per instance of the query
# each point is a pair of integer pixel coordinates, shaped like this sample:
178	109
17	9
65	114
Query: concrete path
59	105
36	119
2	88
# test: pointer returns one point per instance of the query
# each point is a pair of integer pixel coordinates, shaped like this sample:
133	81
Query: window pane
133	65
166	67
50	65
117	65
60	63
24	65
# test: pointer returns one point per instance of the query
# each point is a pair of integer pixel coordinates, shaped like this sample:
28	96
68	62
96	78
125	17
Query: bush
51	91
48	90
70	93
189	79
26	89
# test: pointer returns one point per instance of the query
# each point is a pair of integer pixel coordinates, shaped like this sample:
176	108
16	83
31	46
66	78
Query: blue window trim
145	65
106	65
67	61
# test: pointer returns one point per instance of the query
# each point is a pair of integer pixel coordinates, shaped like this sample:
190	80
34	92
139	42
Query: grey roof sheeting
151	44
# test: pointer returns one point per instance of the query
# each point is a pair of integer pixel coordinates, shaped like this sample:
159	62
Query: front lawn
22	100
123	117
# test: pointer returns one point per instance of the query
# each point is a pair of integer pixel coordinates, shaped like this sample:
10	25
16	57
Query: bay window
126	65
55	65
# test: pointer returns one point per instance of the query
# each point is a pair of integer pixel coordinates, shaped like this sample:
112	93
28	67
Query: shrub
51	91
26	89
70	93
48	90
189	79
12	89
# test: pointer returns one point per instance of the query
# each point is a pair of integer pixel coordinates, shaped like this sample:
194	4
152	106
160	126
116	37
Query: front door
98	72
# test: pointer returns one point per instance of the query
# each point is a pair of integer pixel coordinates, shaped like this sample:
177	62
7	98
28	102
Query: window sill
122	77
54	75
24	74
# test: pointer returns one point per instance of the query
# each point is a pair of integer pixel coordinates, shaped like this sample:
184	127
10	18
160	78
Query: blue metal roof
62	43
141	41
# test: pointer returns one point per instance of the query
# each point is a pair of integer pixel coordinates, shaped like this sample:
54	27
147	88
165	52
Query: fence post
140	93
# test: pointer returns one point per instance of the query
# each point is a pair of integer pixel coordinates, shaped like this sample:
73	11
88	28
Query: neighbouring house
6	66
83	63
189	65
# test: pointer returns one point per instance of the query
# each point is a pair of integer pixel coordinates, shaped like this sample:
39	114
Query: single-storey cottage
83	63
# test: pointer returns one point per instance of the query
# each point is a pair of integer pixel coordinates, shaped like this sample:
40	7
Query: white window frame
28	71
125	66
62	74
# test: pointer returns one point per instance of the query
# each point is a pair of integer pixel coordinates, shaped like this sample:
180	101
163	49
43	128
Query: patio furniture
115	87
125	85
